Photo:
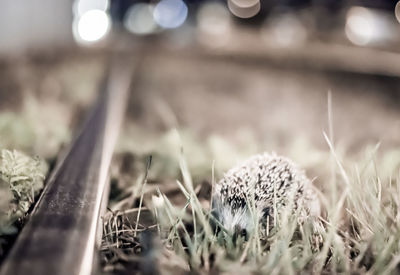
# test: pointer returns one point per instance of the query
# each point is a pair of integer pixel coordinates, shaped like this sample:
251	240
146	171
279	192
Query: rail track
62	232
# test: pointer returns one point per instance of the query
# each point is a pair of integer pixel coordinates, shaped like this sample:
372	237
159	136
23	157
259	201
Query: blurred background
283	23
288	23
247	71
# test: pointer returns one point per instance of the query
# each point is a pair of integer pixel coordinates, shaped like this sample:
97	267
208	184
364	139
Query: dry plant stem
142	193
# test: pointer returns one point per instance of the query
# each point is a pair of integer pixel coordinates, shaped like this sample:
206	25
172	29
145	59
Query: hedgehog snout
236	221
239	232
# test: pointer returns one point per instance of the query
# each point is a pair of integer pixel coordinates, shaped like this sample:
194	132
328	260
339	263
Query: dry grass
360	194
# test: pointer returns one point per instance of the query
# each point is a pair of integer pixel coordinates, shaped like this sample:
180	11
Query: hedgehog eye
243	233
214	221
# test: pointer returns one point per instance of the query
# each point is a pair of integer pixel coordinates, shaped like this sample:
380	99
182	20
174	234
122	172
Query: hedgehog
266	183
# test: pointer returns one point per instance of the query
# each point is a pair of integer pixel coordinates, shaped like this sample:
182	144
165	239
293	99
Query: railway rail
63	230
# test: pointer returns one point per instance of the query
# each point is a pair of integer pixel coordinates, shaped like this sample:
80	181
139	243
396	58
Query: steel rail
62	232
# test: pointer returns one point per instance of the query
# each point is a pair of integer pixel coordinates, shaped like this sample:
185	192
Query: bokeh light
92	26
170	14
139	19
244	8
214	23
367	26
285	30
397	11
360	26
